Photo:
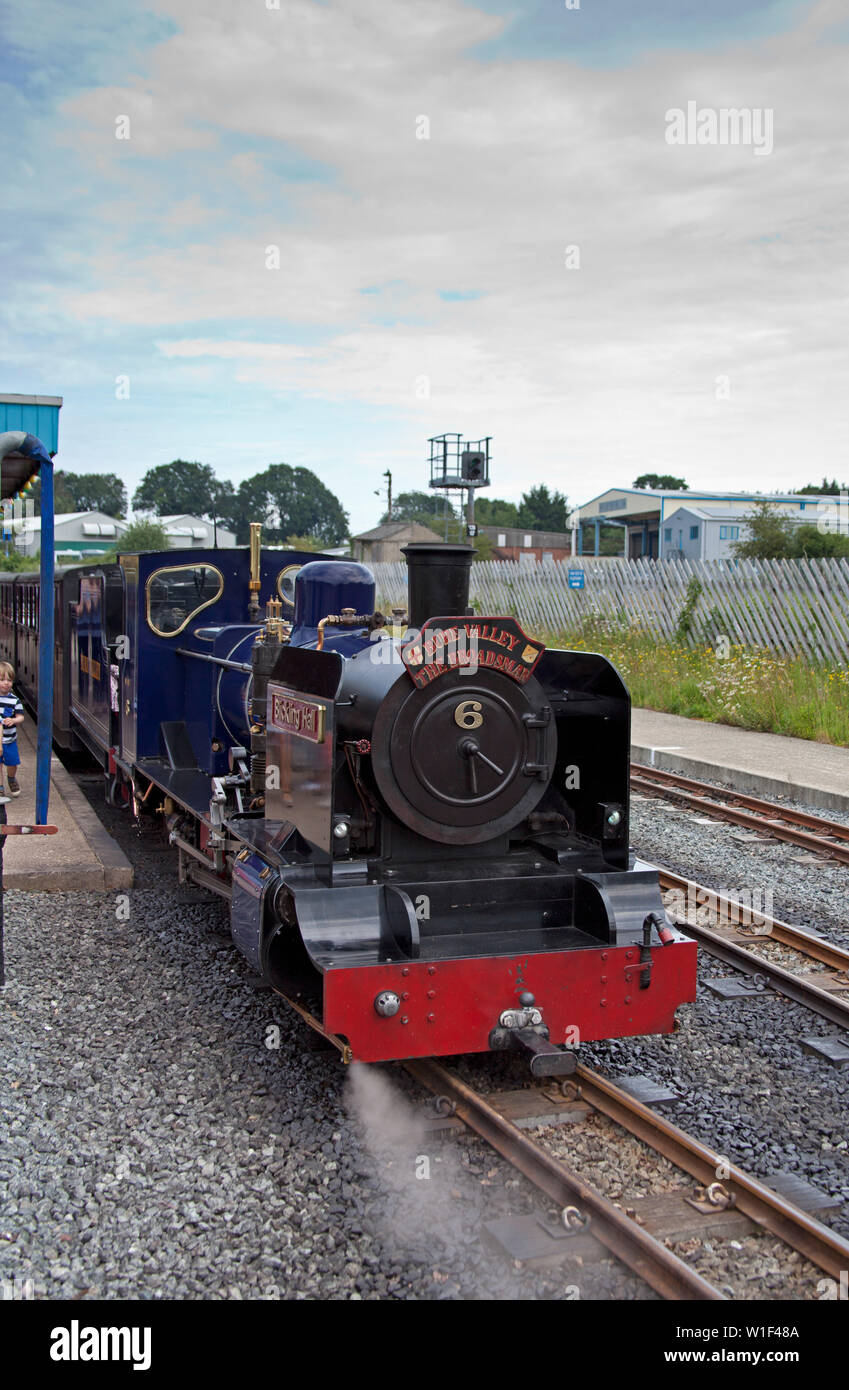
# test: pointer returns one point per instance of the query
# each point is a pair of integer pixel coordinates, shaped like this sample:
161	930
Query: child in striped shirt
11	714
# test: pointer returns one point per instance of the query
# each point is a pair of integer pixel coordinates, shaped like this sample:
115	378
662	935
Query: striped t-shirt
10	705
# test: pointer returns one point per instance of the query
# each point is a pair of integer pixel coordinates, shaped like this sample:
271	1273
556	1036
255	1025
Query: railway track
637	1239
799	828
825	989
659	1267
622	1231
635	1247
723	1192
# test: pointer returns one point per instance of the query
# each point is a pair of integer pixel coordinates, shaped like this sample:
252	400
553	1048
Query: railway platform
82	857
765	764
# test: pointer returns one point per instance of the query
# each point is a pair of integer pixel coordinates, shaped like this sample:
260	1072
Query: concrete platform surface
82	857
764	764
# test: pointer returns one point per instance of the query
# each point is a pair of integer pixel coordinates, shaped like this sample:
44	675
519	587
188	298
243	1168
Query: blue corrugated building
655	523
38	415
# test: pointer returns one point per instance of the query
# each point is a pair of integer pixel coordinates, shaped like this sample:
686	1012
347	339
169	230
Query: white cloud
695	261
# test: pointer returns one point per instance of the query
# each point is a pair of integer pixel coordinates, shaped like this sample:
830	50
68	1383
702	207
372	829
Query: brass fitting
254	582
347	618
275	627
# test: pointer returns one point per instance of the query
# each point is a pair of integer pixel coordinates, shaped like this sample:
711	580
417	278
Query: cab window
176	595
286	588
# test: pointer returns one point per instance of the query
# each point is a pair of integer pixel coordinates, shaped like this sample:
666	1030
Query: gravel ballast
748	1088
170	1132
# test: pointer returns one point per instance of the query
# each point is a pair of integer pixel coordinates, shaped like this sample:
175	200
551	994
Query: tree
424	507
63	497
302	543
483	546
493	511
612	540
431	509
540	510
288	501
97	492
172	488
664	481
812	544
770	537
84	492
143	535
826	488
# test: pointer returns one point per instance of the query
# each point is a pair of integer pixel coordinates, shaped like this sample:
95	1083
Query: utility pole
388	476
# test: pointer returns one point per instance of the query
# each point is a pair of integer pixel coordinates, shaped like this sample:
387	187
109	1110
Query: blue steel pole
45	646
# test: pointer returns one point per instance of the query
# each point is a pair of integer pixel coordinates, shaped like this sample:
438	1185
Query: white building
75	532
195	533
82	533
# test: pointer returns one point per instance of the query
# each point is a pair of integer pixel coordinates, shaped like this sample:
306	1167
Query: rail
741	957
823	1247
660	1267
749	812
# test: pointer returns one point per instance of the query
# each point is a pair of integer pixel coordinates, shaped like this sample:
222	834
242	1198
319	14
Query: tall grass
737	685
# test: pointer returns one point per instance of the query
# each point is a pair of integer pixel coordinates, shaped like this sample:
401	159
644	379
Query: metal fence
789	607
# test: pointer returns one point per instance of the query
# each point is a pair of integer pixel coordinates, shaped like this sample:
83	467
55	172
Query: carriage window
175	596
286	587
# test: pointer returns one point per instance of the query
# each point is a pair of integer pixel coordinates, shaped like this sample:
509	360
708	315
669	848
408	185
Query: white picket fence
789	607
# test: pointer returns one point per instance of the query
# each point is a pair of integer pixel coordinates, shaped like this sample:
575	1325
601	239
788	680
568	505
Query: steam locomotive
420	821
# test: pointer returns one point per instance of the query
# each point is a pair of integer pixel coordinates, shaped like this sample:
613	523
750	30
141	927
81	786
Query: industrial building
82	533
196	533
528	547
696	525
384	542
76	533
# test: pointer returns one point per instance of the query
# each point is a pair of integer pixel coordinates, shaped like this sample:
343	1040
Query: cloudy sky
319	231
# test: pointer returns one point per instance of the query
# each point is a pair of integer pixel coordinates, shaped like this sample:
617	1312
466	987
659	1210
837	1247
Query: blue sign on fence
576	579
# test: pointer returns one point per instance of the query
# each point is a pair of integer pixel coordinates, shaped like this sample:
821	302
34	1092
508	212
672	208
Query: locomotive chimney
438	580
